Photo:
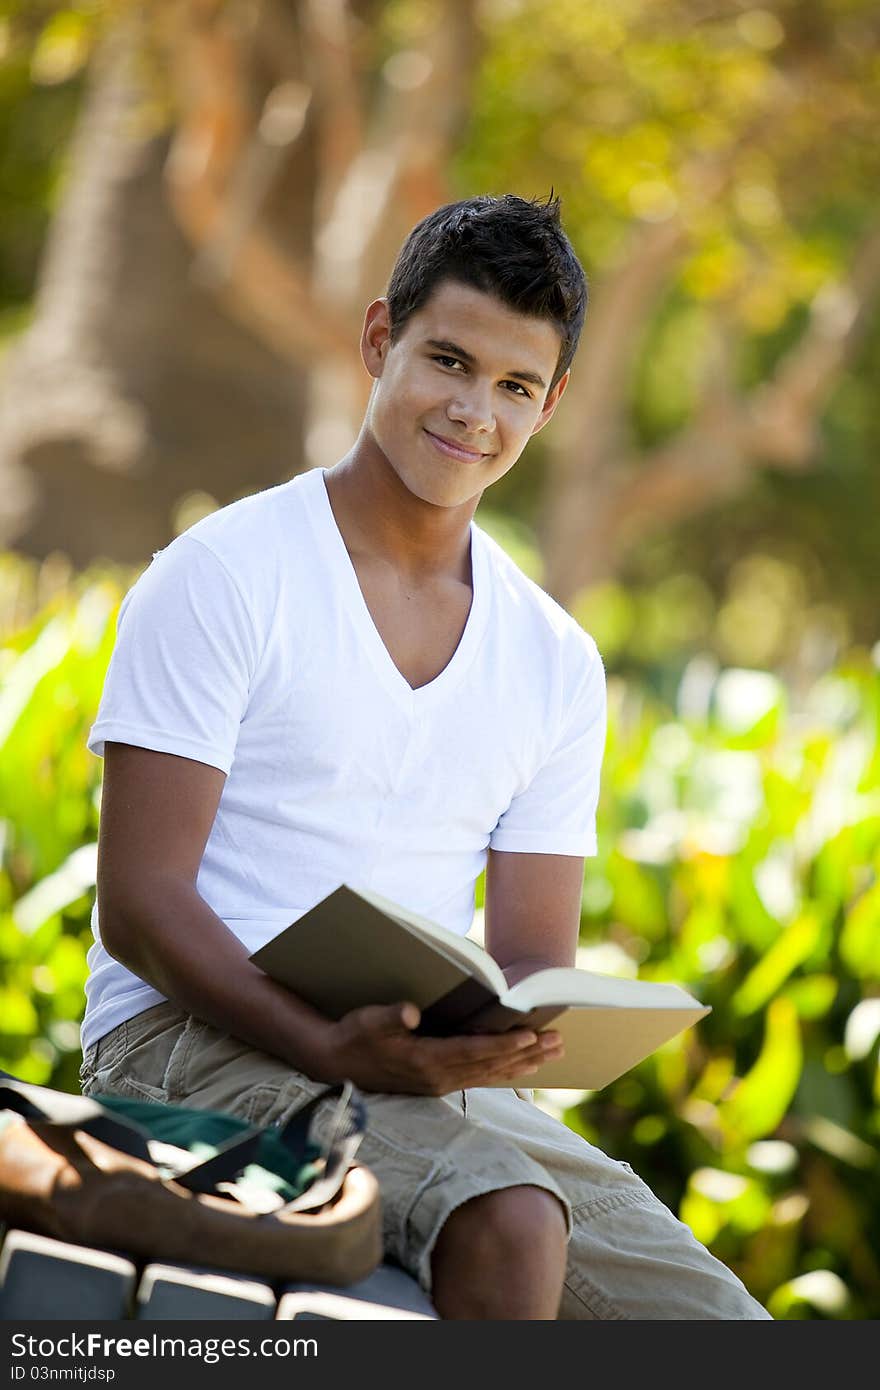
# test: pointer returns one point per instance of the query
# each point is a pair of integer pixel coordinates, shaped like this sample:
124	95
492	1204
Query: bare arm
157	810
533	907
156	815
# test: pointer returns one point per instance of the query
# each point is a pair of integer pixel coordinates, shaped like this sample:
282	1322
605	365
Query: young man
343	679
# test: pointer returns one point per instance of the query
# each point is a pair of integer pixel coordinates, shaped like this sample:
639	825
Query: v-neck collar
334	550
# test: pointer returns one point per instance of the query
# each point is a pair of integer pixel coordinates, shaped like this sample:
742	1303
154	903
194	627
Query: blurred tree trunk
241	179
239	182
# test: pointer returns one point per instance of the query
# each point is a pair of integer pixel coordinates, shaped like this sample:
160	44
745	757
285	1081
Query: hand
375	1047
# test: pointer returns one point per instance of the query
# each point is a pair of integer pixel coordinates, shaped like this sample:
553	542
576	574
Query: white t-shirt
247	645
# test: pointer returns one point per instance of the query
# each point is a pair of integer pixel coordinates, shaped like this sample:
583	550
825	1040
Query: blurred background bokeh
198	200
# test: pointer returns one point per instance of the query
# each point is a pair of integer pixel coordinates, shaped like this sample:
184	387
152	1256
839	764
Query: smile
455	451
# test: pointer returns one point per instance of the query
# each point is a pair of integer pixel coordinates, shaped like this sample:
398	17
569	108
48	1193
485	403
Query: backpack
163	1181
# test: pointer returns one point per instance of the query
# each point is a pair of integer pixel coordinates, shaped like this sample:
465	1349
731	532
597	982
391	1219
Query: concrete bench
46	1279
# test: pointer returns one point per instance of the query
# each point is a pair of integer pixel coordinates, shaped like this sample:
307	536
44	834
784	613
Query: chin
438	490
437	496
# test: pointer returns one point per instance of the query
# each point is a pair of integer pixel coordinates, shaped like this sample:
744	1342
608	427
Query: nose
472	409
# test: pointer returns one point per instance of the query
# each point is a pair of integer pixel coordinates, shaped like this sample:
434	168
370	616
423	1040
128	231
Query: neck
378	516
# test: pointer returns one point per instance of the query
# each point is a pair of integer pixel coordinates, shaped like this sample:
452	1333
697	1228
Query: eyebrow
453	349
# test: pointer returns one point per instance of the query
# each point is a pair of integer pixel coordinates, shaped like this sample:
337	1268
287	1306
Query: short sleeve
183	662
556	812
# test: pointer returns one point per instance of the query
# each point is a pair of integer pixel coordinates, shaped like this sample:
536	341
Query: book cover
356	948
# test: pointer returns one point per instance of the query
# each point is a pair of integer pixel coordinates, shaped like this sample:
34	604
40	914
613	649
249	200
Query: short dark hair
506	246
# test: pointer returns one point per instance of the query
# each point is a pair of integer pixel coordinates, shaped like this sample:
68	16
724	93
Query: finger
482	1047
482	1072
493	1076
539	1048
521	1064
410	1015
528	1059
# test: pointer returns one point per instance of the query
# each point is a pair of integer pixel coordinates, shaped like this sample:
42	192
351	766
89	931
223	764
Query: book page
570	986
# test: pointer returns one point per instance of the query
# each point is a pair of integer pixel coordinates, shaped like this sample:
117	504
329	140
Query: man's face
461	391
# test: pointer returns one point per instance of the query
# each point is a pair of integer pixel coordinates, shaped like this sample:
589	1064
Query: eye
453	363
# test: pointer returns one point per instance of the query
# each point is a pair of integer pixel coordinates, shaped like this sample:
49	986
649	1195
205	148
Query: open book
355	948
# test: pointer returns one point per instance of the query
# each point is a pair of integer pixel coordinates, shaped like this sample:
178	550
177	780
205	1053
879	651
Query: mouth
456	451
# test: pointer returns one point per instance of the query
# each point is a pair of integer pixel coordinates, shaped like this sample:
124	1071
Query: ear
552	401
376	336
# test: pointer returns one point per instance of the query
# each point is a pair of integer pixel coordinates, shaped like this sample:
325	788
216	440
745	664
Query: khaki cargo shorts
629	1257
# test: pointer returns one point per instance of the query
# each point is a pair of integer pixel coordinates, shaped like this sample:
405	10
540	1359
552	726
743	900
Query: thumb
410	1015
382	1019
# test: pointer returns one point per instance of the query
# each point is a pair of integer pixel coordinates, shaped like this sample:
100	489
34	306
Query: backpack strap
242	1148
79	1112
347	1127
73	1112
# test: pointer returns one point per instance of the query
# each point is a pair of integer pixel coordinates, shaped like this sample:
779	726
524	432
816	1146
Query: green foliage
757	825
58	635
740	850
734	121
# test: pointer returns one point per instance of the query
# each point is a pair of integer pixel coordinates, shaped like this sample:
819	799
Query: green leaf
639	901
32	666
18	1017
57	891
754	924
765	979
860	937
812	996
819	1289
67	963
764	1094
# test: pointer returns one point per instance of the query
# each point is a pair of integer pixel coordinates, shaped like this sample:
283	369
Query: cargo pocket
175	1082
270	1104
132	1060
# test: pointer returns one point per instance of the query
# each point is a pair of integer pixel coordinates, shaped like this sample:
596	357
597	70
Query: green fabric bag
204	1133
168	1182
